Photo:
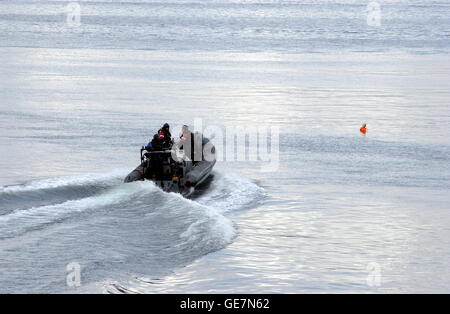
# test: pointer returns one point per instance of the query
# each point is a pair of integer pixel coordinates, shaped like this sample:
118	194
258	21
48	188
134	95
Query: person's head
185	129
166	126
156	137
363	125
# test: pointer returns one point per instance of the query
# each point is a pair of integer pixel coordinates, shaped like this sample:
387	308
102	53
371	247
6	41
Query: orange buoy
363	129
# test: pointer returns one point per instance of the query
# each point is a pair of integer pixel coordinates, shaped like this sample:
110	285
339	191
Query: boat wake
155	231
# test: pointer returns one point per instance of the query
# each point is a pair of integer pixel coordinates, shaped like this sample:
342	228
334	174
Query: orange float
363	129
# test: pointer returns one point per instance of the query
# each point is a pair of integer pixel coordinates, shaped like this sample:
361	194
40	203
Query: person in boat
156	144
185	133
154	171
186	142
165	136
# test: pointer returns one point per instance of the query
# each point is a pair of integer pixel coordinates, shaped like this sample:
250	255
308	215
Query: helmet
166	126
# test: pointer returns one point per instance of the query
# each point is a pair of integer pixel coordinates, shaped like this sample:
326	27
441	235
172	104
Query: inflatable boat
174	170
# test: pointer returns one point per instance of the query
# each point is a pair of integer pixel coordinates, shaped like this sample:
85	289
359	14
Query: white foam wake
226	193
231	192
53	183
20	221
202	225
210	221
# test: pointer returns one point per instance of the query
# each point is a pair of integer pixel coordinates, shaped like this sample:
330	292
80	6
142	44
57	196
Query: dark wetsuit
155	144
155	166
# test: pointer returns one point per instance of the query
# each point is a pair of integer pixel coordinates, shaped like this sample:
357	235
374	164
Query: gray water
77	102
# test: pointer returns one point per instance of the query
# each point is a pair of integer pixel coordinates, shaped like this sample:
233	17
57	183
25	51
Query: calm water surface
76	104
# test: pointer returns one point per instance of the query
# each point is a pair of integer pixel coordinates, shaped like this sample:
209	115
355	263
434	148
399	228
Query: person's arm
149	146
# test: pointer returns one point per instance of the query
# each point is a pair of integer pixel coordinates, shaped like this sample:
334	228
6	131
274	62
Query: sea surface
341	212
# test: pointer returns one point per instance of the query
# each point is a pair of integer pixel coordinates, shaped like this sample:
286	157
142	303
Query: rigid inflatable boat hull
185	183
